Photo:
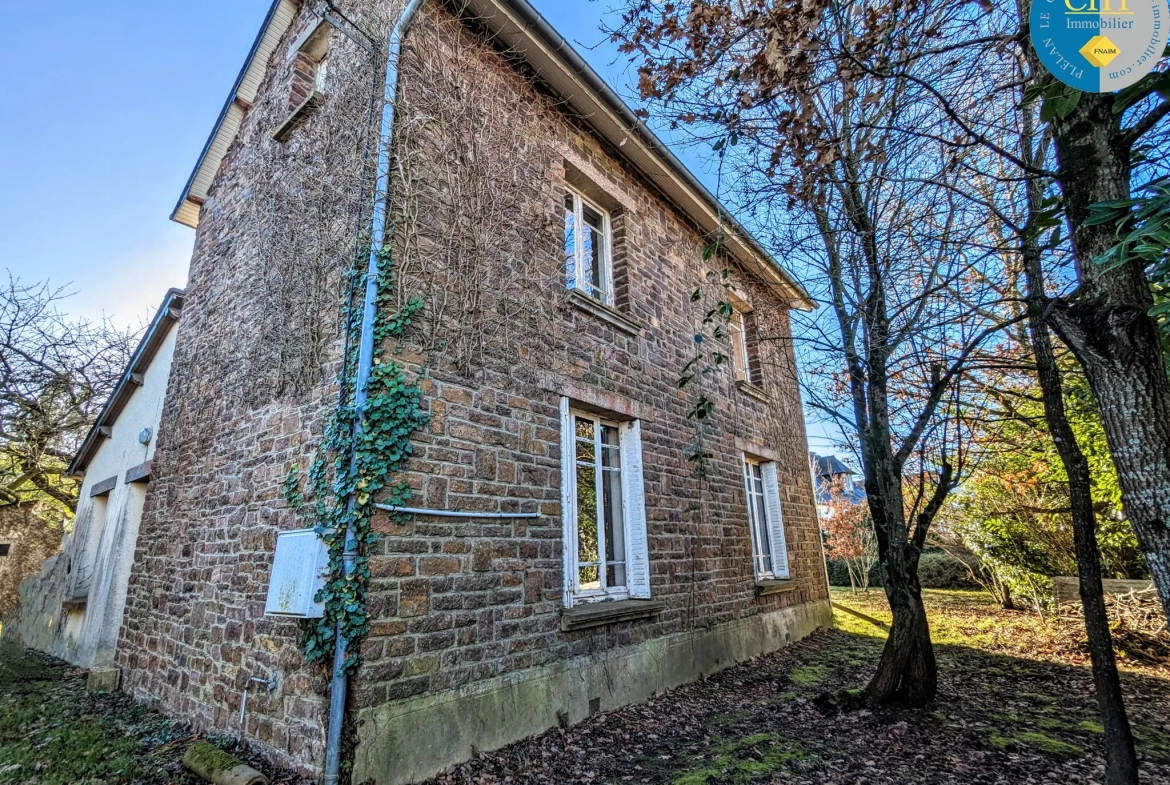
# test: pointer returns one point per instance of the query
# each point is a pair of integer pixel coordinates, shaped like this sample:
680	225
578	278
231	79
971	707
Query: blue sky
107	107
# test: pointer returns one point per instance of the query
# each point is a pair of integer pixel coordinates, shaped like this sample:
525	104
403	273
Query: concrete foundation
103	679
407	741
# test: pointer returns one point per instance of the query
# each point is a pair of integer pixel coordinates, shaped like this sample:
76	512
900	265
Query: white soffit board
246	88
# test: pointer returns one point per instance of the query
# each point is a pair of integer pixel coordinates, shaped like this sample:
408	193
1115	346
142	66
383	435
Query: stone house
73	607
565	557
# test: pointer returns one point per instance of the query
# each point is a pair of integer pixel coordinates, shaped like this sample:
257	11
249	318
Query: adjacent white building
73	609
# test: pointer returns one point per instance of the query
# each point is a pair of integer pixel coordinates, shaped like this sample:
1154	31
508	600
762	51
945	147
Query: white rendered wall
104	544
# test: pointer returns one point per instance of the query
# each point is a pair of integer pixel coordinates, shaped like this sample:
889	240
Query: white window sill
599	614
752	391
605	313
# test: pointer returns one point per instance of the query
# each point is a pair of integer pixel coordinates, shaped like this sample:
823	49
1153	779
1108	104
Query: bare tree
55	374
872	213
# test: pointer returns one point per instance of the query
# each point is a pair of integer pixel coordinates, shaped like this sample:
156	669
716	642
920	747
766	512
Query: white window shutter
569	501
634	503
775	520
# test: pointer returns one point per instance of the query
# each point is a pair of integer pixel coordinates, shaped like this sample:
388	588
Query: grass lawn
1015	706
53	732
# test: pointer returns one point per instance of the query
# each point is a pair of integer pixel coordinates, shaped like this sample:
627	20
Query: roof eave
156	334
227	124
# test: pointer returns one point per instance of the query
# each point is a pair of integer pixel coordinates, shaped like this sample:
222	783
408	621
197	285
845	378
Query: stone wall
461	601
457	603
238	412
454	603
30	540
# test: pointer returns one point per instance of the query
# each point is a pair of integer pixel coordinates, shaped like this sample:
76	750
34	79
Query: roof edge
140	361
177	213
618	106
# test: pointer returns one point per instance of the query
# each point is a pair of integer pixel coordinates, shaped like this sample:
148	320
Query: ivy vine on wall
345	478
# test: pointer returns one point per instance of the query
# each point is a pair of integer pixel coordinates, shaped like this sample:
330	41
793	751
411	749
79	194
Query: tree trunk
907	672
1110	331
1121	766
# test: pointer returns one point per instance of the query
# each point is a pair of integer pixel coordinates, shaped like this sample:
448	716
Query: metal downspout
365	364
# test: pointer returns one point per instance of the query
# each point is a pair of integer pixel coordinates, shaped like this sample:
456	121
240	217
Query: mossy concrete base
408	741
103	679
216	766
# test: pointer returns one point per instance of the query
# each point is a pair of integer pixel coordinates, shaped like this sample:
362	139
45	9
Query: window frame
758	530
604	592
770	530
606	296
633	505
737	327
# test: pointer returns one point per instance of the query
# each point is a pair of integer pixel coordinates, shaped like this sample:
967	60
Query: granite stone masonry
470	612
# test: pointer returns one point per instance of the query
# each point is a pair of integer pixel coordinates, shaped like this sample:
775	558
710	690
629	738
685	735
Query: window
4	548
745	343
769	550
737	326
604	509
588	259
308	56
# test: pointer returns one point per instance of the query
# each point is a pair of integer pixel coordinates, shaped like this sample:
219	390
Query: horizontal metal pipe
454	514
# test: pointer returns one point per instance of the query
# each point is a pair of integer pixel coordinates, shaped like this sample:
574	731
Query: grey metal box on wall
298	573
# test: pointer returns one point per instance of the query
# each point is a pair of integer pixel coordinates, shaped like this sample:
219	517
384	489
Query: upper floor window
4	548
769	549
737	326
588	253
604	509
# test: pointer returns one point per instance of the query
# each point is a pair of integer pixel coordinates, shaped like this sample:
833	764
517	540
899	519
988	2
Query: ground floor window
765	519
604	508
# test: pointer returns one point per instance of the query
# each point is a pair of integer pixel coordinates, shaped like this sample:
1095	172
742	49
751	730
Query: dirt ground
1015	706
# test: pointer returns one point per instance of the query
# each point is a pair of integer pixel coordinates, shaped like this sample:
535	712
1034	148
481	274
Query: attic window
309	57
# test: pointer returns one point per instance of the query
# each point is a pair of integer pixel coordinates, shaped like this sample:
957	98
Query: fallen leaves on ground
1015	706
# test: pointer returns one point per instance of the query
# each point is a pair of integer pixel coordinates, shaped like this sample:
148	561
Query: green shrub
839	574
938	569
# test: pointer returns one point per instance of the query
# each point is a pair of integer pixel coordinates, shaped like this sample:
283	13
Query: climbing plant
354	466
709	358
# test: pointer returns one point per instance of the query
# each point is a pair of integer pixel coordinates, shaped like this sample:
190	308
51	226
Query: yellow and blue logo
1099	45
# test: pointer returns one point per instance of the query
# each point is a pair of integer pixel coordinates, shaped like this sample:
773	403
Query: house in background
73	608
832	478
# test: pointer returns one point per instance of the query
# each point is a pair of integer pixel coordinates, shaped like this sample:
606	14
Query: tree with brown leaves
818	147
849	534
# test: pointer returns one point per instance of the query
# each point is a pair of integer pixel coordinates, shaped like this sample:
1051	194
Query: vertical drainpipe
365	364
